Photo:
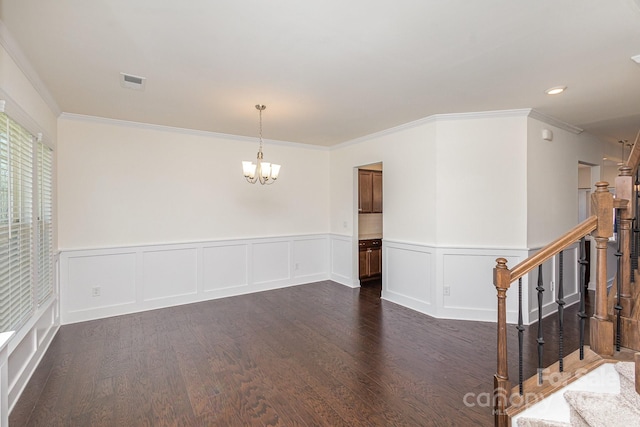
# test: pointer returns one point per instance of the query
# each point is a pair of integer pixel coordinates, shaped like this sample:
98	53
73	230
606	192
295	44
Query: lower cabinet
370	259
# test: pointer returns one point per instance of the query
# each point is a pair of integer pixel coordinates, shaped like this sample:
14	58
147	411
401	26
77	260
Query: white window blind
16	224
45	223
26	223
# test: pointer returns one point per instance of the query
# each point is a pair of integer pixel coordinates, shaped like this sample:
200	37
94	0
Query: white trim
38	339
435	118
185	131
458	247
13	49
12	109
4	384
521	112
189	243
535	114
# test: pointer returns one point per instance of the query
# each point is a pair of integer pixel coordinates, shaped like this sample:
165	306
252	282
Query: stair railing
600	226
626	205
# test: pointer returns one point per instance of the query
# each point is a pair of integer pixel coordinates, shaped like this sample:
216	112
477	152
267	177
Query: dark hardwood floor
314	355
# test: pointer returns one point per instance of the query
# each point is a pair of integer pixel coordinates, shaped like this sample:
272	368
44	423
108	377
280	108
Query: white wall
154	216
461	190
454	201
122	184
481	176
552	179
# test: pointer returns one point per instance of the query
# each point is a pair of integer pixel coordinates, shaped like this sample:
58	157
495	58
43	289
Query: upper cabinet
369	191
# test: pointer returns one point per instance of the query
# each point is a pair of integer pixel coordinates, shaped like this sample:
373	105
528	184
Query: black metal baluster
520	338
560	302
618	307
540	340
583	290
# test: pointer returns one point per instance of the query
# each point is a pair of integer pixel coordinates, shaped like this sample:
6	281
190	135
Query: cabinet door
376	183
363	263
375	262
365	188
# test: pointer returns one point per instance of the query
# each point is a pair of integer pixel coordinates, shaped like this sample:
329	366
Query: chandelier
260	171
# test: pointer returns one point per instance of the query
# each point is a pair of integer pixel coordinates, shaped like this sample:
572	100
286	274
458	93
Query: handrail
634	156
553	248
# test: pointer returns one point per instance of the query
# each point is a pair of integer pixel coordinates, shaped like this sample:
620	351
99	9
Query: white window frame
26	223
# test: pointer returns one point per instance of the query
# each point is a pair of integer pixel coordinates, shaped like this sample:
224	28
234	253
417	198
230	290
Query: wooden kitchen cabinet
370	259
369	191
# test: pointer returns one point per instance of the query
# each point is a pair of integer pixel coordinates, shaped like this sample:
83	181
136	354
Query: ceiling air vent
132	82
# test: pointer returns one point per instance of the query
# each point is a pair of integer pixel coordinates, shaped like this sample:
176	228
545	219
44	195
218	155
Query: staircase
614	327
605	397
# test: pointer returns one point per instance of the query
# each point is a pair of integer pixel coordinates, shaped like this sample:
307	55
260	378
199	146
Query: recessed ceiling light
636	59
555	90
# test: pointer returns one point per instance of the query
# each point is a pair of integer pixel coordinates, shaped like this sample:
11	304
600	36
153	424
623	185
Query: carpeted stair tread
626	369
601	410
627	373
534	422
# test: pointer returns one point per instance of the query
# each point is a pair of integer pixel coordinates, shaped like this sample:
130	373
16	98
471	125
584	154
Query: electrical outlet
95	291
345	224
446	291
296	267
553	286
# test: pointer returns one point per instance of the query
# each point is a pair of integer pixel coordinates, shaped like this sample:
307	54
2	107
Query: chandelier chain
260	108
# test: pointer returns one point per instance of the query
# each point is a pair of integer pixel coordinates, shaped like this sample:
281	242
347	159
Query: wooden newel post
501	384
624	191
601	327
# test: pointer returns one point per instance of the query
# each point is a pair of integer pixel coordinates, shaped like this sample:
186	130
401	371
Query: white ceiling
330	71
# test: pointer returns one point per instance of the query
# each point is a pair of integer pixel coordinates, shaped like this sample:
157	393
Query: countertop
369	236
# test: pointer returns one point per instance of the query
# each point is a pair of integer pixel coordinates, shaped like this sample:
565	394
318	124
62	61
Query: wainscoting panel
225	266
271	262
342	252
454	283
27	347
113	273
408	275
24	350
133	279
310	258
169	273
467	289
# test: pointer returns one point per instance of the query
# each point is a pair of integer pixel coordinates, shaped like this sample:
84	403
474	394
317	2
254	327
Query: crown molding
184	131
13	49
520	112
435	118
535	114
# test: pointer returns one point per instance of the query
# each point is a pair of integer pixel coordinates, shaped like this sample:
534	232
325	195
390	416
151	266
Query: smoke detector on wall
130	81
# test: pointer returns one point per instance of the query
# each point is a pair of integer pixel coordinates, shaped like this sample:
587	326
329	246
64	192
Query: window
26	249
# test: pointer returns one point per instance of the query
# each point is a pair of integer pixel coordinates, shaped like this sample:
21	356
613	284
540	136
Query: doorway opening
370	229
